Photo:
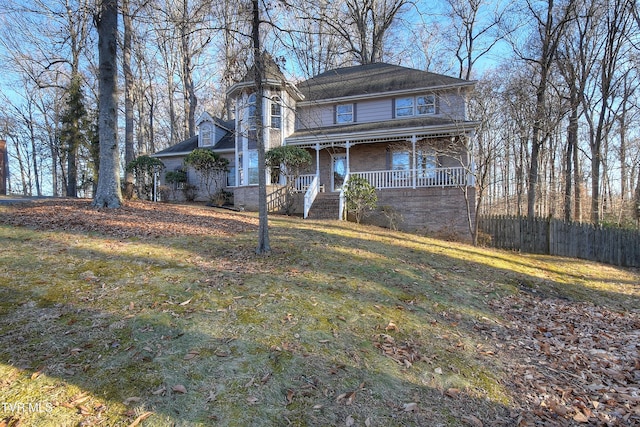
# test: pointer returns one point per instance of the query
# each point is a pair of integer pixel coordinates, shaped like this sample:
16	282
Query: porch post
318	160
414	162
348	145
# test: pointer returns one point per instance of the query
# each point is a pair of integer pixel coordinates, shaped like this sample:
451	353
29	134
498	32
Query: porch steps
325	206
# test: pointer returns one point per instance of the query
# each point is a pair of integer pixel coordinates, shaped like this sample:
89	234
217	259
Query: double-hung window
206	134
251	111
404	107
344	113
415	106
425	104
276	113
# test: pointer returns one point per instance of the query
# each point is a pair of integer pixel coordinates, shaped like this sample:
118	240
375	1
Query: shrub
211	167
361	197
190	192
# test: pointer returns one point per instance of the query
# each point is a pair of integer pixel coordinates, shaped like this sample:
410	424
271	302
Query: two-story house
404	130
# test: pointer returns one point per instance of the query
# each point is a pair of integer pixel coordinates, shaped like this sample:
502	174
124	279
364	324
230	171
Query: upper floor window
206	134
276	113
404	107
251	111
344	113
419	105
426	104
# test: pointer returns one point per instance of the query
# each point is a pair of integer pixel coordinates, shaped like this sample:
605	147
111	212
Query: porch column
414	162
348	145
318	160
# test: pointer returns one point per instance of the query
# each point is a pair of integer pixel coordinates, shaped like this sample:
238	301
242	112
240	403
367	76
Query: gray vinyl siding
449	105
452	105
376	110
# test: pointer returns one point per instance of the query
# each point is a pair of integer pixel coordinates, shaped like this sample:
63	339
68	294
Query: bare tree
616	22
108	191
264	246
473	32
551	22
362	26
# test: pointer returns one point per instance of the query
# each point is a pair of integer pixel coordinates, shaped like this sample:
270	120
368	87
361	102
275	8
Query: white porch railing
310	195
303	182
438	177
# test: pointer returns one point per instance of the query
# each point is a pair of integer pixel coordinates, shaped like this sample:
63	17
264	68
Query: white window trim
344	115
415	106
276	101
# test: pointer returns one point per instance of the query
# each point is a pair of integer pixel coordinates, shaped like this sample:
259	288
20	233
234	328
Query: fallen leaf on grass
346	397
183	303
192	354
580	418
159	391
179	388
349	421
130	400
141	418
472	421
391	327
410	407
252	400
452	392
290	394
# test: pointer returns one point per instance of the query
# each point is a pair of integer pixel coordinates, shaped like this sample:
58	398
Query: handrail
276	199
310	195
342	205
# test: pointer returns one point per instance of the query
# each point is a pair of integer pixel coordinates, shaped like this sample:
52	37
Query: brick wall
436	211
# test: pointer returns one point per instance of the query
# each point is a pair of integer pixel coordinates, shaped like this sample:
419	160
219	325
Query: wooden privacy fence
555	237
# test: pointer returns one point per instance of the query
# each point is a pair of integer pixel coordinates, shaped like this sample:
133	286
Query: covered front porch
409	163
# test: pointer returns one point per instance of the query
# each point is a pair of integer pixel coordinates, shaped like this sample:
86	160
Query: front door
339	171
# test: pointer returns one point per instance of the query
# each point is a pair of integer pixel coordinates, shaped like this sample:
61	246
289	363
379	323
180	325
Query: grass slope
127	319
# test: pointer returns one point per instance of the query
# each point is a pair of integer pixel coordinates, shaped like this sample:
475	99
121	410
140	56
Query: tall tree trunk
263	223
572	141
129	150
108	192
190	99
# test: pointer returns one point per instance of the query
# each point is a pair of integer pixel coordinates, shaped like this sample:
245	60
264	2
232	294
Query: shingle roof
371	79
185	146
225	143
364	127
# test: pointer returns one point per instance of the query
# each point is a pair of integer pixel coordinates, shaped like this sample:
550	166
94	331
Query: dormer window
344	113
206	134
276	113
415	106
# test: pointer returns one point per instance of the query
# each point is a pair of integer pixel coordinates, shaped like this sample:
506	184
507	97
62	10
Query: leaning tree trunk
108	193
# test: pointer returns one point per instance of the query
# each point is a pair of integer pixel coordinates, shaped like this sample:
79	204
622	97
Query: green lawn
163	315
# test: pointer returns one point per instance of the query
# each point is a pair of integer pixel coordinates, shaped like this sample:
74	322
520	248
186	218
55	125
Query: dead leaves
133	219
404	353
571	361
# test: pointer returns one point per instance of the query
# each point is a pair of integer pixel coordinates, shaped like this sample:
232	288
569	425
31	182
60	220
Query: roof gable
372	79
